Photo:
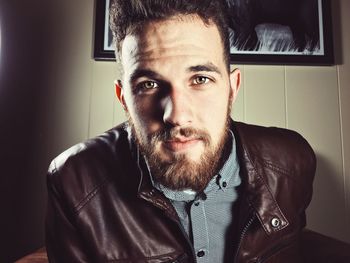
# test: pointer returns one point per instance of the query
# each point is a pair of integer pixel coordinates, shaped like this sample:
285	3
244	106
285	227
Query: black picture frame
104	50
103	46
324	56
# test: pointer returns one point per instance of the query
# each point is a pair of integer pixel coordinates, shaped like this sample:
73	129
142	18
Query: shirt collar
228	174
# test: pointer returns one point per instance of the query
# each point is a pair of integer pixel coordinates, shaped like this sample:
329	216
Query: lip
177	145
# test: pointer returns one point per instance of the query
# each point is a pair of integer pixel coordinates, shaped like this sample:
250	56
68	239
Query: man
180	181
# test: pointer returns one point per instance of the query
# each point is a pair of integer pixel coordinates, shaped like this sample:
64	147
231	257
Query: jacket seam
147	258
88	197
278	169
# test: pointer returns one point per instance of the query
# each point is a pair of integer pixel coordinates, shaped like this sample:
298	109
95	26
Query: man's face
177	94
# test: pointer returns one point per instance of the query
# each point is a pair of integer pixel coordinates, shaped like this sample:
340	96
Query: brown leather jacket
102	206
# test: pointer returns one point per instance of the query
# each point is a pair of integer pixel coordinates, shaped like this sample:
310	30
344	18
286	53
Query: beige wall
314	101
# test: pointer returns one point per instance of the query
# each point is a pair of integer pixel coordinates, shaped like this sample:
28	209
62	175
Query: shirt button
200	253
196	203
224	184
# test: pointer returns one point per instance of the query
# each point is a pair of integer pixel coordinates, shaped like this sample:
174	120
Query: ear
235	83
120	94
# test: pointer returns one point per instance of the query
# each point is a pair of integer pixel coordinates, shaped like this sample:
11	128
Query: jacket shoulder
285	149
103	144
81	171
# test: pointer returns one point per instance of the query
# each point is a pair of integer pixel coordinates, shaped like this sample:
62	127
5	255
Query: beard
179	172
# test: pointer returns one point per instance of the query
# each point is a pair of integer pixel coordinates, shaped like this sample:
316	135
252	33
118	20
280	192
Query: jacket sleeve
63	241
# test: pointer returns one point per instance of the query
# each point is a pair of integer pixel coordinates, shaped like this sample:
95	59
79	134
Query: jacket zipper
243	233
183	234
176	221
187	239
266	256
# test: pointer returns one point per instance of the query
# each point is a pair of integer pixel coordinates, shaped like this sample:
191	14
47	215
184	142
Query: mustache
188	132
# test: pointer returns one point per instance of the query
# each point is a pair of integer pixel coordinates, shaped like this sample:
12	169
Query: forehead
184	37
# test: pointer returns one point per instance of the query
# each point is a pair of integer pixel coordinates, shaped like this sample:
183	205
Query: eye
199	80
147	86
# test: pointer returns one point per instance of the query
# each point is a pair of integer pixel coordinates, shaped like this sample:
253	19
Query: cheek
216	120
214	115
145	115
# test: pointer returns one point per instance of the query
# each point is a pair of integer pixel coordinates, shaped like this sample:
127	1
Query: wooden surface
38	256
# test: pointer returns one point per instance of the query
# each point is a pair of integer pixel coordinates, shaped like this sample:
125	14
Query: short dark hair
129	16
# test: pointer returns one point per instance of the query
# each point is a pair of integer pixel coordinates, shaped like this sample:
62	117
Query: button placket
200	231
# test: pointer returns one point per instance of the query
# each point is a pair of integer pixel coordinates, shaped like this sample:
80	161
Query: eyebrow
209	67
144	73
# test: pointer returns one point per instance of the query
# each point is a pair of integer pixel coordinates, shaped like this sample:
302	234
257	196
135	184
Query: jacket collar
255	189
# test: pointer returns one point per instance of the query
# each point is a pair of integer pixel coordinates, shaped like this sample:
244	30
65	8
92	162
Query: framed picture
281	32
284	32
103	47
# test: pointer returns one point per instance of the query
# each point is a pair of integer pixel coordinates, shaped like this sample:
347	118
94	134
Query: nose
177	108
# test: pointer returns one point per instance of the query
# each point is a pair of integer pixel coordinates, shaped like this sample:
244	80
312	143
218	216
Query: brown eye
147	85
200	80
